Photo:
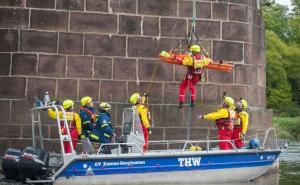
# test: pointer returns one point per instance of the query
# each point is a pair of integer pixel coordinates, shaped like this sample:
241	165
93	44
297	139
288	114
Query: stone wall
107	49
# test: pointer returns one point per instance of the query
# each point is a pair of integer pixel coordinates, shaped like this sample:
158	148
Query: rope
152	77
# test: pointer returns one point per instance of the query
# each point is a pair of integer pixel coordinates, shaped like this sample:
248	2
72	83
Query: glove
242	136
81	136
146	94
149	131
200	117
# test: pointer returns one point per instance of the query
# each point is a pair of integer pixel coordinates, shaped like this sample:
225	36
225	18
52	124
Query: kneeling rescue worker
144	115
241	123
73	121
103	131
224	119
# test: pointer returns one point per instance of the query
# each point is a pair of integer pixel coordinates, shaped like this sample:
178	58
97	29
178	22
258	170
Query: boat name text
189	161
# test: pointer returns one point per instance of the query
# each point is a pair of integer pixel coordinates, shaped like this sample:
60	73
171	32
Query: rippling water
289	173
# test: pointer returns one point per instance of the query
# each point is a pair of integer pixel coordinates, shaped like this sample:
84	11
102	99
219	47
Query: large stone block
171	93
157	7
24	64
220	11
10	131
243	2
256	17
104	45
212	94
154	69
89	88
155	92
119	112
173	27
167	116
129	24
238	13
257	35
97	5
39	19
124	69
175	133
257	96
93	22
220	77
34	41
137	47
26	131
157	133
198	134
70	4
21	112
113	91
258	56
123	6
67	89
208	29
20	143
235	31
236	91
227	51
200	109
261	76
4	111
12	3
10	90
40	4
103	68
52	65
5	62
13	18
203	10
80	66
150	26
248	54
38	86
185	9
245	74
70	43
180	73
8	40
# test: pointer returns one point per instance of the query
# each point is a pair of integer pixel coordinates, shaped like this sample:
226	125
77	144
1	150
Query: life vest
238	121
228	122
93	116
194	70
71	123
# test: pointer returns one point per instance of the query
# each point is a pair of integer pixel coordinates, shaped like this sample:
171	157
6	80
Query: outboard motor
33	164
10	163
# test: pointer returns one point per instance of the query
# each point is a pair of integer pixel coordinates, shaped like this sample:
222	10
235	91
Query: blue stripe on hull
168	163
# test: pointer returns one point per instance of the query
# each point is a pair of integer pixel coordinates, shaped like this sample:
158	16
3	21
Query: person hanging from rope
144	115
88	118
224	119
103	131
241	123
73	121
195	70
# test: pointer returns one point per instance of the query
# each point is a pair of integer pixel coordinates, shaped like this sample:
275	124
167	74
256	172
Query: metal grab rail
119	147
267	134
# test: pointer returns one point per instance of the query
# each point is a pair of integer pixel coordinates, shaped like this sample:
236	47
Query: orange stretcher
211	65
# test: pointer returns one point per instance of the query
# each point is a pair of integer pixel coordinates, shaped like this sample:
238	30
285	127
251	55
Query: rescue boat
167	162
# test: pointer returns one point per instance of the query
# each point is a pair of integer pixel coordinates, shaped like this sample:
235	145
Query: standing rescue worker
144	115
103	131
194	73
241	123
224	119
73	121
88	118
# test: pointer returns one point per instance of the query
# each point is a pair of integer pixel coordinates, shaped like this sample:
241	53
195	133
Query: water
289	173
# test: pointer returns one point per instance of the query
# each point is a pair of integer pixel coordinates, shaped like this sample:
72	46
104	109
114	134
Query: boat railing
186	143
267	135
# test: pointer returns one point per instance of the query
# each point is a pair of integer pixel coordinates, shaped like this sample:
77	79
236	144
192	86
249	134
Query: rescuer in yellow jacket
241	123
224	119
144	114
73	121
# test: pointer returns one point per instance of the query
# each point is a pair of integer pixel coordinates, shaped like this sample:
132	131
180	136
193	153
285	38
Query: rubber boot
180	105
192	104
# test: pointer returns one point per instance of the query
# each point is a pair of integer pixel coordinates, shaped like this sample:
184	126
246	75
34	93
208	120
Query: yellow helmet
85	100
68	103
195	148
195	48
134	98
165	54
244	103
105	106
228	101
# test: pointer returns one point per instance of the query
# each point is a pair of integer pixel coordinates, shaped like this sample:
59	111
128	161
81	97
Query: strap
89	112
